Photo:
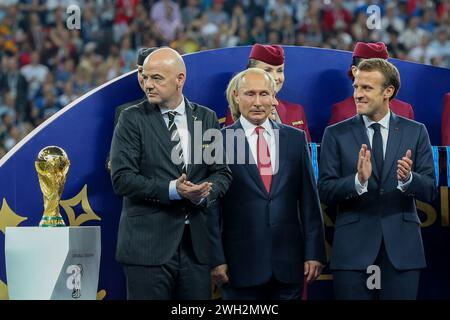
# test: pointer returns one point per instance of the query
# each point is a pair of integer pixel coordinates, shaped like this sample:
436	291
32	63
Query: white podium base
53	263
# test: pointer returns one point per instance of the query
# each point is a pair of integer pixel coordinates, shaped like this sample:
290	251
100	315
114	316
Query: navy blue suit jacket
264	234
384	212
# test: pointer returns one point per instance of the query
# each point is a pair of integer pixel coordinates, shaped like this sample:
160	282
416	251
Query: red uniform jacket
290	113
347	108
445	127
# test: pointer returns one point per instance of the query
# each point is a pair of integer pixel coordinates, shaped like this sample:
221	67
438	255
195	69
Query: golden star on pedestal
3	291
101	295
9	218
88	213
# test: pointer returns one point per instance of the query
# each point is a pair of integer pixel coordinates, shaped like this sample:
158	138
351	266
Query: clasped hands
404	166
191	191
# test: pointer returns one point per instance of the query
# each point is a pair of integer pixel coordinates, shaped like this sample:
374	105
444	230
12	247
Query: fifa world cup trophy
52	165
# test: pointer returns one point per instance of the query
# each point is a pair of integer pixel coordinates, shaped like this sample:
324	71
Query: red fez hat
370	50
273	55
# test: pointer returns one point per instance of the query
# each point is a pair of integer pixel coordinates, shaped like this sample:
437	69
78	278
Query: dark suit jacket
445	128
122	107
151	225
117	113
290	113
265	234
347	108
384	212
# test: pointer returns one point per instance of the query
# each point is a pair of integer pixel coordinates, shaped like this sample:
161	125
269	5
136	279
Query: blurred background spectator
44	66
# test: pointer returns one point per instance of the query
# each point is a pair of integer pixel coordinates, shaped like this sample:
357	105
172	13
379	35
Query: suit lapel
281	142
159	124
393	145
360	133
250	165
191	116
162	135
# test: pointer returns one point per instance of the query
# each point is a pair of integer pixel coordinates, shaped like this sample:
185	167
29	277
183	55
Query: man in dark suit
271	59
142	54
269	233
445	126
374	166
347	108
163	242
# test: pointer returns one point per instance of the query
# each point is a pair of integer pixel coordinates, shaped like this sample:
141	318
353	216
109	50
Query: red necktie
264	164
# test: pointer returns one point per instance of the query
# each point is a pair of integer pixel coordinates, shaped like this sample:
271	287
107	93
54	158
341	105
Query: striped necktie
176	141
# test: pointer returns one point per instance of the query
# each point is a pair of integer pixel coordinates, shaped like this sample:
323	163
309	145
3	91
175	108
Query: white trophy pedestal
52	263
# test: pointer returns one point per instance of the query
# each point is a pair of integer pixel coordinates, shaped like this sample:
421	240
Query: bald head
164	74
169	57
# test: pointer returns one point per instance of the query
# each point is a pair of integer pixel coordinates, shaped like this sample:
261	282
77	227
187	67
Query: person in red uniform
445	128
271	59
347	108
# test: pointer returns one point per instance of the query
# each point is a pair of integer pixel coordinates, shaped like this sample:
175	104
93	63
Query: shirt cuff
360	188
173	193
402	186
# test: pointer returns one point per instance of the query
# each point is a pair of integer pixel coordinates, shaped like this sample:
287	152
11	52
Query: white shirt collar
249	128
180	109
384	122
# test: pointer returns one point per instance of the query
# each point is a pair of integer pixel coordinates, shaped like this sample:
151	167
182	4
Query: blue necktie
377	147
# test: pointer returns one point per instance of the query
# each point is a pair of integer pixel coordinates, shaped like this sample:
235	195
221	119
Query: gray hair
235	84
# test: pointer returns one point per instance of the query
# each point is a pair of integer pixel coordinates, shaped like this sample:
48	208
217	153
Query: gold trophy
52	166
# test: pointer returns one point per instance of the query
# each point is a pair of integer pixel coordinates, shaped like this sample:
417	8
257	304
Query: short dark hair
356	61
142	54
252	63
387	69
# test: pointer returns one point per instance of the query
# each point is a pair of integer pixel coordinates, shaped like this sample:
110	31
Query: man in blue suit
270	230
374	166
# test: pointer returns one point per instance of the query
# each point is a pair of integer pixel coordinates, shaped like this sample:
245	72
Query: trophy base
52	222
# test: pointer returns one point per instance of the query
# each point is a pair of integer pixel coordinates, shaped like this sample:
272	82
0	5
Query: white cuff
173	193
360	188
402	186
